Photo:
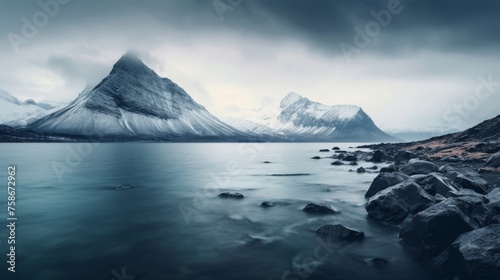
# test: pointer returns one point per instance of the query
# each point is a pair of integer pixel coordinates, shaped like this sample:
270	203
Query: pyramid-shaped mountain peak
130	62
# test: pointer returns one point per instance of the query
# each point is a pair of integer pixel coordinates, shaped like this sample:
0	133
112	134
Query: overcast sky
421	68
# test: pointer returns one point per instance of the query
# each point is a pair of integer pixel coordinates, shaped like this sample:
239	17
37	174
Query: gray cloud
432	51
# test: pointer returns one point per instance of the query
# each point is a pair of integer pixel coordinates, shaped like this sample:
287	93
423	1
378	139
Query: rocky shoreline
447	209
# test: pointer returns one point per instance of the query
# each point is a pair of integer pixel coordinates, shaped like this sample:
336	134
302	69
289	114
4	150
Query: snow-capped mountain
16	113
250	127
133	102
300	119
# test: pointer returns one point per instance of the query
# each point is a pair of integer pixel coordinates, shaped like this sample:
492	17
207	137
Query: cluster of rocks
352	158
447	213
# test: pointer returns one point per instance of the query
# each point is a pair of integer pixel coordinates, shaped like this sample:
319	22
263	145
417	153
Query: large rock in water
234	195
378	156
429	232
474	255
418	167
319	208
340	231
385	180
469	179
494	161
434	184
394	204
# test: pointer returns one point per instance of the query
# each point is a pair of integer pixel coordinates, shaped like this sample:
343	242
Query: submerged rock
473	255
353	163
123	187
267	204
324	150
319	208
349	158
337	162
378	156
340	231
395	203
385	180
361	170
316	157
379	262
266	161
429	232
234	195
418	167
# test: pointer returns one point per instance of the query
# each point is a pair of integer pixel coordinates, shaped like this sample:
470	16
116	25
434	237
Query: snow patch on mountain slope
249	127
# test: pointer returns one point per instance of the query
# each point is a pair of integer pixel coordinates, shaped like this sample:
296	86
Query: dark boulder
419	148
395	203
434	184
438	198
418	167
390	168
319	208
429	232
338	162
266	161
402	156
324	150
340	231
234	195
378	156
361	170
340	152
494	161
335	149
469	179
494	195
372	167
349	157
353	163
385	180
473	255
448	168
316	157
495	220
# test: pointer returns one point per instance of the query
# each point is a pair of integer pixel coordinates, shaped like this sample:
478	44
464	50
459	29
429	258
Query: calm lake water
73	223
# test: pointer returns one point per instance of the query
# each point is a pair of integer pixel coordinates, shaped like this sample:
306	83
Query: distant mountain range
300	119
16	113
134	103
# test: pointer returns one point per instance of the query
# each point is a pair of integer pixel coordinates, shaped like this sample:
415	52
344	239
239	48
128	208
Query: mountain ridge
300	119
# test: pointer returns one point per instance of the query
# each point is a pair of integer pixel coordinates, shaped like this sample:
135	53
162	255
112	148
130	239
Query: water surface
74	223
